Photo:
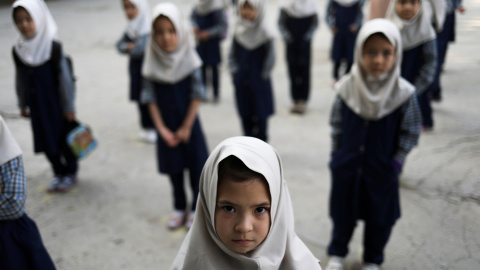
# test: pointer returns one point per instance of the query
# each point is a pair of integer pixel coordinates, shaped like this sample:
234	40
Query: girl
413	18
344	17
298	21
133	43
245	215
251	60
209	24
20	241
375	123
173	91
45	89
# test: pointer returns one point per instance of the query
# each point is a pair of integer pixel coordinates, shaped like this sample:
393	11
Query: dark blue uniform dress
298	56
173	101
21	246
48	124
344	40
412	61
209	50
365	183
254	97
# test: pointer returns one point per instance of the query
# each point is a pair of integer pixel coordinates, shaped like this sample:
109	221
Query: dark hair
234	169
16	9
378	34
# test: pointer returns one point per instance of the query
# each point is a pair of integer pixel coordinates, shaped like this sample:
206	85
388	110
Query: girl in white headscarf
414	19
245	216
20	241
45	88
133	43
173	91
251	60
297	22
375	123
210	26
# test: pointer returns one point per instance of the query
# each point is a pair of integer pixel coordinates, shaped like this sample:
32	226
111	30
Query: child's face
24	23
242	213
165	34
406	9
248	12
130	9
378	55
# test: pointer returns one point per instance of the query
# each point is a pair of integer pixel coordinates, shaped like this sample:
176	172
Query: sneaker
190	219
335	263
54	184
150	136
67	183
176	219
370	266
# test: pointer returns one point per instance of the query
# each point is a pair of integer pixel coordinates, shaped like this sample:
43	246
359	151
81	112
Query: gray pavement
115	217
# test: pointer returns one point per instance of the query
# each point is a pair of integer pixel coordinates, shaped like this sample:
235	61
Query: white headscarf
161	66
300	8
9	148
140	25
36	50
204	7
375	97
417	30
202	249
251	34
346	3
439	9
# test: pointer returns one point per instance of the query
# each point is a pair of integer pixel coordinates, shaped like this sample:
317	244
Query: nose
244	225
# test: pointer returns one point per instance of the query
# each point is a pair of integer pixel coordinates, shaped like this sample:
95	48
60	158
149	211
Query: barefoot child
173	91
45	89
244	215
133	44
375	123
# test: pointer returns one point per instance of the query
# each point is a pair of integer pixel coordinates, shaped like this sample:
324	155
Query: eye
387	53
229	209
261	210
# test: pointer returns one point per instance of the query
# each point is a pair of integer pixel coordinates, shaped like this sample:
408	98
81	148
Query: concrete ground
115	217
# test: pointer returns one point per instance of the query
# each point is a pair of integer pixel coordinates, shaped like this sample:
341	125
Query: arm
12	189
336	124
409	129
282	26
20	89
138	48
426	74
378	8
232	60
221	25
67	88
313	27
269	60
122	44
359	18
329	18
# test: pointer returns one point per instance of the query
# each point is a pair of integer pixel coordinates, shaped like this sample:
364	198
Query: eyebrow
225	202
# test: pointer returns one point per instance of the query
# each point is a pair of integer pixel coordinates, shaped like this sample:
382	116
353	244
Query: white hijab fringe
281	250
140	25
300	8
204	7
36	50
163	67
252	34
9	148
375	97
346	3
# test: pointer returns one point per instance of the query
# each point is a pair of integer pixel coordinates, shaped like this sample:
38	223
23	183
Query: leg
145	118
260	128
194	184
57	165
349	67
336	68
248	126
215	82
179	198
374	241
341	235
426	110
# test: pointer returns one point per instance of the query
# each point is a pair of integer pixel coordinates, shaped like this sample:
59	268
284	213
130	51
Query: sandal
176	219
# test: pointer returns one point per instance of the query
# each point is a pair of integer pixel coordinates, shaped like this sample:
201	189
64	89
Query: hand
461	9
183	134
353	28
70	116
130	46
196	30
24	113
334	30
203	35
169	137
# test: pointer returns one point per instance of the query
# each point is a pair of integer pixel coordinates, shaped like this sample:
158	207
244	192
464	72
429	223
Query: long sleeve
232	60
313	27
426	74
409	129
269	60
147	95
122	44
336	123
198	88
359	17
282	26
221	25
20	90
329	15
13	189
137	51
66	86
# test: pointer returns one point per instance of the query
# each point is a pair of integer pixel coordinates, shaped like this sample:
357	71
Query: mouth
242	242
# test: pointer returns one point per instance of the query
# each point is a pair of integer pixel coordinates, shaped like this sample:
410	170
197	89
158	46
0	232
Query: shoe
176	219
54	184
190	219
67	183
148	136
370	266
335	263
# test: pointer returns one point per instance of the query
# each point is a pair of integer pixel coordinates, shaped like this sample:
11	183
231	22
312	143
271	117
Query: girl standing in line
245	214
45	89
133	44
414	19
209	24
297	22
344	17
173	91
375	123
20	241
251	60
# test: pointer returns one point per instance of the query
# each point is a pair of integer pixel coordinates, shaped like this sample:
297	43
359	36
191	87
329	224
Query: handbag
81	140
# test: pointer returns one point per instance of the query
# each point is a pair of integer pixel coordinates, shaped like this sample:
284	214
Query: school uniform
21	246
173	80
251	59
341	14
137	31
297	22
375	123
